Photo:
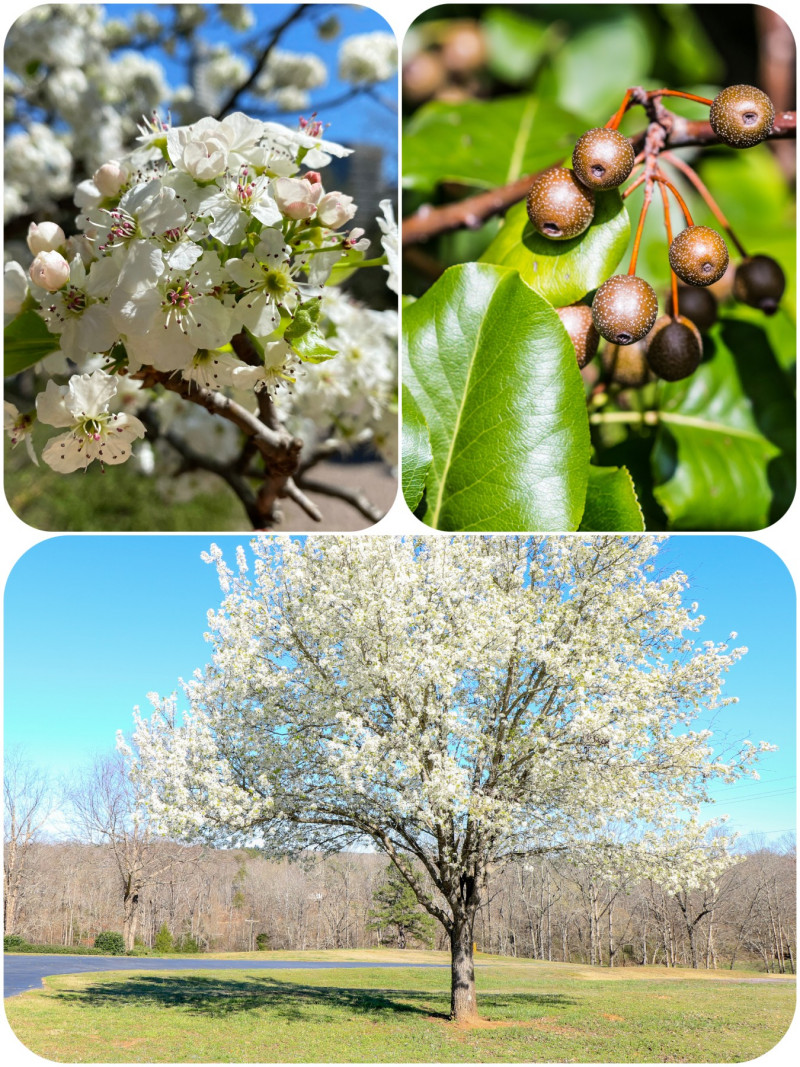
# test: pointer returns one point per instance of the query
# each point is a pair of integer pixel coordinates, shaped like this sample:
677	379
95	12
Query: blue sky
362	121
94	623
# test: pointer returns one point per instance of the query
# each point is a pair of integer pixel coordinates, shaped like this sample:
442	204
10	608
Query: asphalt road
25	972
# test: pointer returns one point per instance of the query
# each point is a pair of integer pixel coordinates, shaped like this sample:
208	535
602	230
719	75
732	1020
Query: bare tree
27	805
107	811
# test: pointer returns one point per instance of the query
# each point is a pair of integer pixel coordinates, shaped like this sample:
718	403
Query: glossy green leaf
485	143
26	340
417	453
564	271
721	433
611	503
494	374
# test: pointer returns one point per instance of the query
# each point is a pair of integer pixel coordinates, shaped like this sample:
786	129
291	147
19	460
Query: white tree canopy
458	700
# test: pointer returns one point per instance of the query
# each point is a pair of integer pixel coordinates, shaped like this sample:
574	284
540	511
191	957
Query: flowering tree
457	703
203	274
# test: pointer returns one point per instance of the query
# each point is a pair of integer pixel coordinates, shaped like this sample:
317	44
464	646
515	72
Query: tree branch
473	211
354	497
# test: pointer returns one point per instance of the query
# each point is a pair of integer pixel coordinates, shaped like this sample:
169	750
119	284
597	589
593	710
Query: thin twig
354	497
240	90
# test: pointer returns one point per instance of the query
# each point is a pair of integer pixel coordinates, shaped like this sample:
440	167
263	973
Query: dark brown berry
603	158
759	281
741	116
698	255
699	305
627	365
577	320
559	206
674	348
624	309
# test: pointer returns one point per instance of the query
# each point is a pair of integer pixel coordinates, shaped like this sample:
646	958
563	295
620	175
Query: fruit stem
668	228
665	181
616	119
634	185
677	92
691	175
648	196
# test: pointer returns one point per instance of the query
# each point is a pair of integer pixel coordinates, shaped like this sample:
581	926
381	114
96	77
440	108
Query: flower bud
45	237
110	178
296	198
313	176
49	270
335	209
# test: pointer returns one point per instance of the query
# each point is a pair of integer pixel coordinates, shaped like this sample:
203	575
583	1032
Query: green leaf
721	434
345	266
312	346
516	44
417	453
564	271
485	143
494	374
597	65
611	503
26	340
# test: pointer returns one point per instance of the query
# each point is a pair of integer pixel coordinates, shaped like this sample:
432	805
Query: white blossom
368	57
94	432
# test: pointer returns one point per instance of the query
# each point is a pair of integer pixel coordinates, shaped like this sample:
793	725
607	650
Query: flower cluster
204	234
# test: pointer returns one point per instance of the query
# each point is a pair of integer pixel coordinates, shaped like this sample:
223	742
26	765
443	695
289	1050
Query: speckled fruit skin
741	116
759	281
698	255
674	348
603	158
699	305
577	320
559	206
624	309
627	366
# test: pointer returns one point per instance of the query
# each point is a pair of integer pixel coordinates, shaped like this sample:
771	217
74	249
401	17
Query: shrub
187	943
110	942
14	943
59	950
262	942
163	941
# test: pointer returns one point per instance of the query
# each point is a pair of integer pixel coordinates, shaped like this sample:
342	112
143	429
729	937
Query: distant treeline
234	900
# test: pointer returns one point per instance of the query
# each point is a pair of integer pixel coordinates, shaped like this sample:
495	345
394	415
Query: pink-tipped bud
50	270
314	177
296	198
110	178
335	209
45	237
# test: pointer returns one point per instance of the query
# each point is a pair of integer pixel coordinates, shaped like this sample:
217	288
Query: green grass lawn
531	1012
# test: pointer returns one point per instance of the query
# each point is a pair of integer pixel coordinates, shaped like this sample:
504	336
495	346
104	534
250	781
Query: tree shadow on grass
215	998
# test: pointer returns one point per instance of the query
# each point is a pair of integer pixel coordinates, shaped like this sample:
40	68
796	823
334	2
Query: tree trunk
130	917
463	1003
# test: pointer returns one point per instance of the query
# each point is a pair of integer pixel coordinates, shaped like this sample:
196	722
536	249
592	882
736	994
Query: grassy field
531	1012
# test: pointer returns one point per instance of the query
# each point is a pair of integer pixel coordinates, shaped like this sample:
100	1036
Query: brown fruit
577	320
603	158
559	206
674	348
624	309
759	282
698	255
699	305
464	48
626	365
423	75
741	116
